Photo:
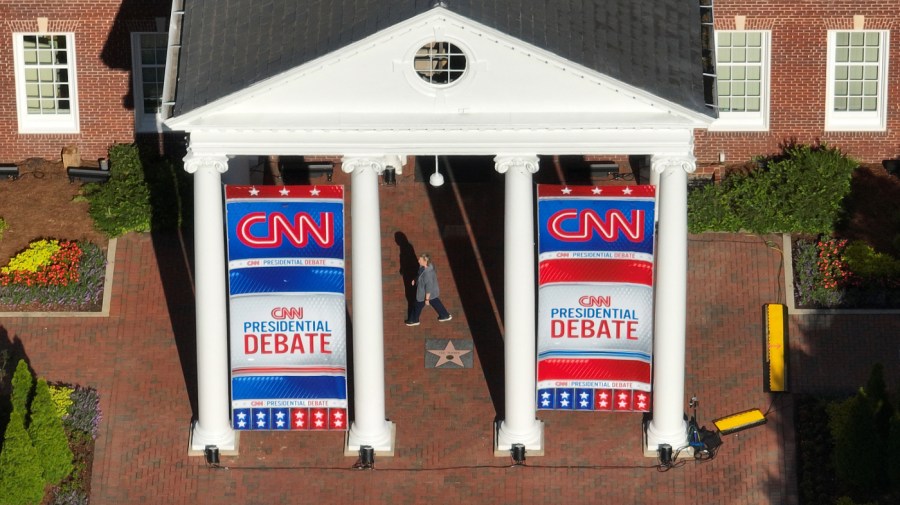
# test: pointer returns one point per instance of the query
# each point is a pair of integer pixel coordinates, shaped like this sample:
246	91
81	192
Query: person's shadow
409	269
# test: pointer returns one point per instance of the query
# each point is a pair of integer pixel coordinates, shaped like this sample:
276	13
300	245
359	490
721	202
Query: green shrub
859	455
170	192
871	265
49	437
122	204
22	384
21	474
145	192
3	226
893	450
21	479
800	191
877	395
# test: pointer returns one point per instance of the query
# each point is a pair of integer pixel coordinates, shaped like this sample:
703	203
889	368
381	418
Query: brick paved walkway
141	359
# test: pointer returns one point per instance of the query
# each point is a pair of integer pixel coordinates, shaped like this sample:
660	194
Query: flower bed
832	273
54	275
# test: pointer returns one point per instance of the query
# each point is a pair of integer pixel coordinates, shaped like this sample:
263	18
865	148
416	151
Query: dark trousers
435	304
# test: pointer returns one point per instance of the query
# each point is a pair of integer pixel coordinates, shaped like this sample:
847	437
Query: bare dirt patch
42	203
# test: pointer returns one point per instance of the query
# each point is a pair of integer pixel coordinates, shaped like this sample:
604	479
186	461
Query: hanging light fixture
436	178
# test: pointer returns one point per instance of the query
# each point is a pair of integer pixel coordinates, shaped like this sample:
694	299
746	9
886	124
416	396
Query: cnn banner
287	321
595	297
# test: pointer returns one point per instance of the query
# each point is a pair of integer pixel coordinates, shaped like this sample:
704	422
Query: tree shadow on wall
133	16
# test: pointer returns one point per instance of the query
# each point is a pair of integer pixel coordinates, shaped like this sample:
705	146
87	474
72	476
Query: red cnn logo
278	227
595	301
287	313
589	223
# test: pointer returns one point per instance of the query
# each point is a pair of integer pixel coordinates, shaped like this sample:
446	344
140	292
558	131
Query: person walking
427	292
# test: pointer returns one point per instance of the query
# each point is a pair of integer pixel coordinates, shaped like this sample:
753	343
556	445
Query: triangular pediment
374	83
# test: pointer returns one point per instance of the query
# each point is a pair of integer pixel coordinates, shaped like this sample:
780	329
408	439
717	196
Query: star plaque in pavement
448	353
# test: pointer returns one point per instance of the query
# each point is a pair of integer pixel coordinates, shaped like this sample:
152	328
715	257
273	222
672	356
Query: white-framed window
742	80
148	66
856	90
46	90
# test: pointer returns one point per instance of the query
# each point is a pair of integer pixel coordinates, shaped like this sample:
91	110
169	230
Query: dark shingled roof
228	45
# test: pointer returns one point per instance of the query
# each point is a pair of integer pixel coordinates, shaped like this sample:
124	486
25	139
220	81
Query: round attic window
439	63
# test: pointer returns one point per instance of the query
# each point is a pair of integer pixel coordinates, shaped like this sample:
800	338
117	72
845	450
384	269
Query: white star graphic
241	424
545	395
583	403
622	405
260	415
596	190
299	423
626	191
314	191
320	423
583	395
338	414
641	396
564	395
641	405
279	414
241	415
603	403
284	191
319	415
622	396
299	414
261	423
566	190
545	403
604	395
564	403
253	191
279	423
338	423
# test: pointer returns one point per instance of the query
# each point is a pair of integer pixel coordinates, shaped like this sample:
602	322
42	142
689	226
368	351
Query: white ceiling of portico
511	92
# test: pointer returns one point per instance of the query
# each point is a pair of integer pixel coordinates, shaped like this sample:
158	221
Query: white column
213	424
668	425
520	425
369	427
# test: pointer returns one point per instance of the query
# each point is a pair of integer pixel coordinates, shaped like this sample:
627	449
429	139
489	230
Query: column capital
684	161
524	164
205	162
378	163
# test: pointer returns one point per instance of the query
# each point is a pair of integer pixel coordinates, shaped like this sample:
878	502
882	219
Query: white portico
440	83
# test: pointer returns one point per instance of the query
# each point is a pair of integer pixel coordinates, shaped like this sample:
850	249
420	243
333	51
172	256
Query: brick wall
103	68
797	83
798	78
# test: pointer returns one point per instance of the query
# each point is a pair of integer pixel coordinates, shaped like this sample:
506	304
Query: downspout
170	80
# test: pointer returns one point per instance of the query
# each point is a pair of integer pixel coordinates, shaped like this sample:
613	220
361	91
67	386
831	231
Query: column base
382	443
226	442
533	440
678	440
